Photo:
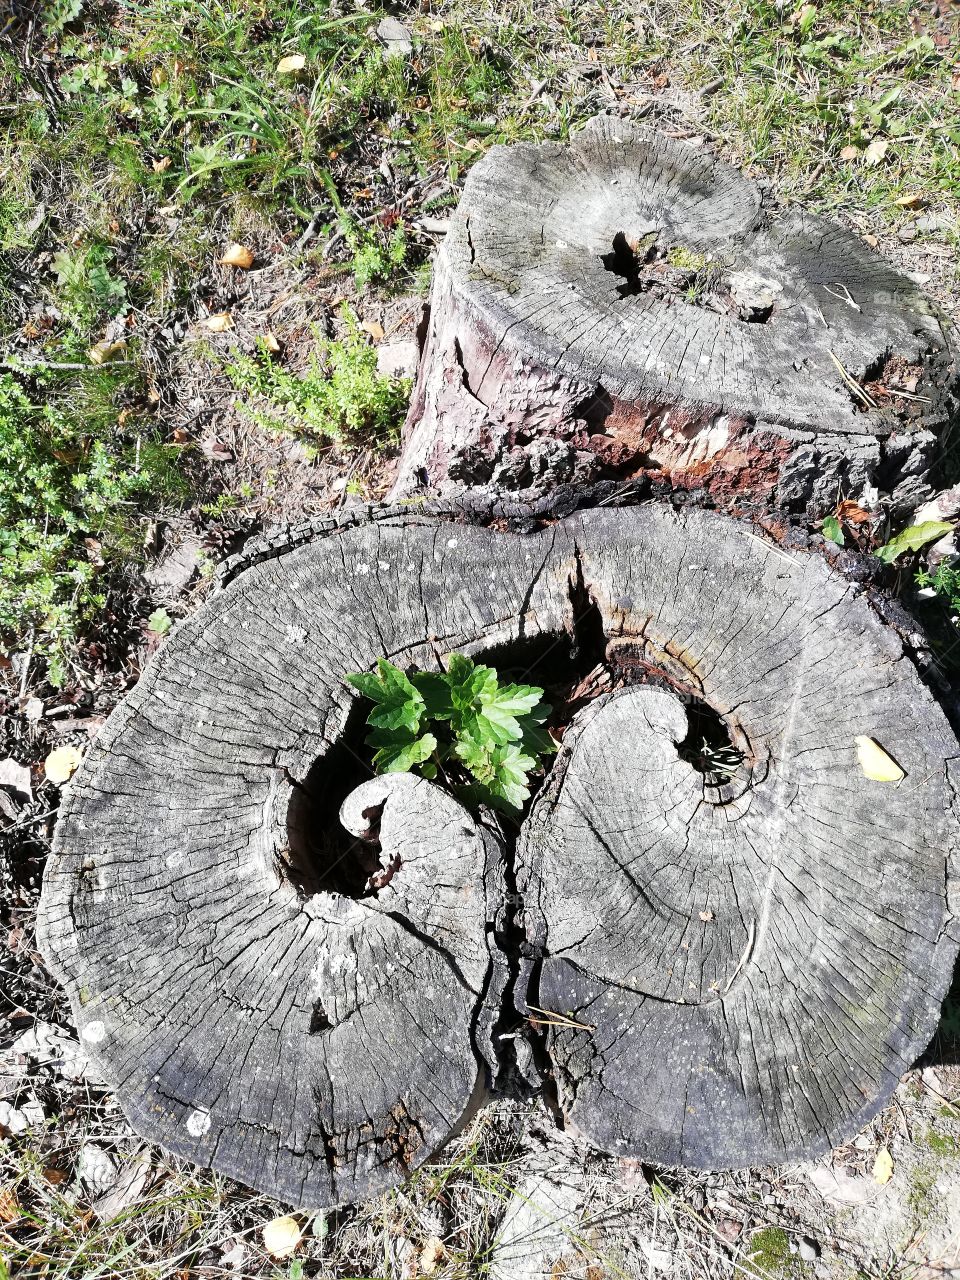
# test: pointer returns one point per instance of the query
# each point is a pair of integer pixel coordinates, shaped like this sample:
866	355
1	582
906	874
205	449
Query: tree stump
626	304
733	946
746	940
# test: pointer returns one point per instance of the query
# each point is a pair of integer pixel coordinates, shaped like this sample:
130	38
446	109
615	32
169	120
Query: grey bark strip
555	352
259	1015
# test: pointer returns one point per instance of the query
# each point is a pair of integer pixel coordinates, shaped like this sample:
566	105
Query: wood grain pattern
543	364
257	1014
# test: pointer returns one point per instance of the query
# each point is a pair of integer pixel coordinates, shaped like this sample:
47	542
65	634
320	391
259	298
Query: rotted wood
725	969
627	304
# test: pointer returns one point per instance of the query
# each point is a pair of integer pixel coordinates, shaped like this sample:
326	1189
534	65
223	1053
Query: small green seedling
480	737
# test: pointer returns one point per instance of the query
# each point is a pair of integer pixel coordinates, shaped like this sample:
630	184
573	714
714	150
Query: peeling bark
314	1014
564	345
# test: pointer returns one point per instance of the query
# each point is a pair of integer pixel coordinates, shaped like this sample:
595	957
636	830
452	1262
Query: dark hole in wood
318	1019
758	315
708	745
321	856
622	261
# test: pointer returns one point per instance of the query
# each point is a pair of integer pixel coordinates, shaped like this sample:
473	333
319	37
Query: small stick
554	1019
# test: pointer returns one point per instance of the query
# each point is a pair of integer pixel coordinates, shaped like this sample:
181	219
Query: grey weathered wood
760	960
542	366
195	966
257	1016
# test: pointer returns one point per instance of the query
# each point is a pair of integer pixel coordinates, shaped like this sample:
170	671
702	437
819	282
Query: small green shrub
342	394
69	476
945	581
480	737
377	254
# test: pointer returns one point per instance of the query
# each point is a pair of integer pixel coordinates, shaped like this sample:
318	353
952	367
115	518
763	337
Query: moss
686	259
769	1254
943	1144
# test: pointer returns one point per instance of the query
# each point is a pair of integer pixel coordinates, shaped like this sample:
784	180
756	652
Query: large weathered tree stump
626	304
735	941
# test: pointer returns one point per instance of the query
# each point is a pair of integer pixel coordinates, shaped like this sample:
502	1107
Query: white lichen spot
198	1122
362	570
382	564
94	1032
295	635
451	543
561	244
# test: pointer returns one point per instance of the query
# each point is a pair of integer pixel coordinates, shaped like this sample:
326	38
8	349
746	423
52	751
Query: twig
554	1019
853	384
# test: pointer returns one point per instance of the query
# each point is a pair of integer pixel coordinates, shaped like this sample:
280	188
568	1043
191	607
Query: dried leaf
271	342
289	66
851	512
374	328
219	322
432	1255
104	352
5	663
876	151
281	1236
875	762
238	255
9	1204
16	776
61	765
883	1166
162	164
912	200
849	153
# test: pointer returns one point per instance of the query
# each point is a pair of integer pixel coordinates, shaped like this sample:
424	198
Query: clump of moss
769	1255
943	1144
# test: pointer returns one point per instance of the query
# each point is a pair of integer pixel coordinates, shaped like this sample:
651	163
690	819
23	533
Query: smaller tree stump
626	304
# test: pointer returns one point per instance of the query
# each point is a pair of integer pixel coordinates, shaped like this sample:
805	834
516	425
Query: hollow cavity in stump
732	942
626	304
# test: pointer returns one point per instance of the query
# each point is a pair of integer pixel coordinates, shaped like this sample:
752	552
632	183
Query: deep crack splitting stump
626	303
745	966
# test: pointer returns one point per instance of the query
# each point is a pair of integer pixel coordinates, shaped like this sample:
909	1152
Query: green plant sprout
481	737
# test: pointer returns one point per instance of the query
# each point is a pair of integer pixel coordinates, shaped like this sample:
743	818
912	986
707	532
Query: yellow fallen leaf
238	255
104	352
373	327
910	200
875	762
162	164
272	342
61	765
220	322
281	1236
883	1166
291	64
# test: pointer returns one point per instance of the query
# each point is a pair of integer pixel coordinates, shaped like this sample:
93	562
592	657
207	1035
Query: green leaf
399	750
434	687
159	622
397	703
831	529
912	539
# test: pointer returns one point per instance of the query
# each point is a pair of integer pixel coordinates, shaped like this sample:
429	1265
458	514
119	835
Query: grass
161	130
